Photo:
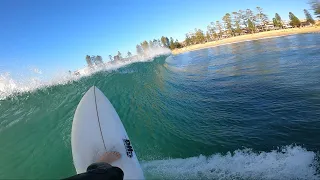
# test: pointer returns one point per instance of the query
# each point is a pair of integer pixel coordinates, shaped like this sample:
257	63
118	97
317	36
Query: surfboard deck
96	129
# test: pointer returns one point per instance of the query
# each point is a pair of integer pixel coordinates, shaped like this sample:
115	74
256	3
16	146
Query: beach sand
261	35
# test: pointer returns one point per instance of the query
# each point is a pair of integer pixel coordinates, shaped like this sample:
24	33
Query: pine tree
98	60
219	28
165	41
228	23
93	59
294	20
251	16
279	20
199	36
315	5
251	20
193	38
88	59
172	45
145	46
243	18
177	44
275	22
262	18
236	19
308	17
119	55
208	37
188	40
251	26
212	31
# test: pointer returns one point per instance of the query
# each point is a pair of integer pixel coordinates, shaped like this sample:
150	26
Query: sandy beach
261	35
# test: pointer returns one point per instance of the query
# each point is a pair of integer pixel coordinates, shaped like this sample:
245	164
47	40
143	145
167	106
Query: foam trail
10	86
291	162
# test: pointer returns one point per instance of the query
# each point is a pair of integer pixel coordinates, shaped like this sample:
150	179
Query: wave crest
10	86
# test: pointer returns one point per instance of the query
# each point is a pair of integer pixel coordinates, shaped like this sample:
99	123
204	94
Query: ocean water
247	110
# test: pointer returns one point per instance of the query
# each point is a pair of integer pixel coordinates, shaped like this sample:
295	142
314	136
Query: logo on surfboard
128	147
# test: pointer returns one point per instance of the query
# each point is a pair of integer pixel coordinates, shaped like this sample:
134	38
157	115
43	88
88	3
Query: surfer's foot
110	157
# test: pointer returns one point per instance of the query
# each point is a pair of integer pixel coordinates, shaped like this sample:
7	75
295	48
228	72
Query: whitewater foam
10	86
290	162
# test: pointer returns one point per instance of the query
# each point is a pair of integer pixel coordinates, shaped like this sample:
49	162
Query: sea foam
289	162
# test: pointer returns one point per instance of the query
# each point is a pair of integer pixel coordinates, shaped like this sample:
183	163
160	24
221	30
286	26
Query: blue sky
57	34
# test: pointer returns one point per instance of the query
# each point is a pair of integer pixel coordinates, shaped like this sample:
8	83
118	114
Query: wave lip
10	87
290	162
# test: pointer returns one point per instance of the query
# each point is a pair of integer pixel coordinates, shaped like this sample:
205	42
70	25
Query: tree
172	45
208	37
219	28
243	17
236	19
98	60
155	43
139	50
212	31
250	15
278	20
129	54
261	17
275	22
251	26
145	46
294	20
110	57
88	59
251	20
199	36
192	38
165	41
119	55
177	44
315	5
116	58
308	17
188	40
228	23
93	59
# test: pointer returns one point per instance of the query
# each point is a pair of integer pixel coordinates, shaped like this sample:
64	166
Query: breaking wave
10	86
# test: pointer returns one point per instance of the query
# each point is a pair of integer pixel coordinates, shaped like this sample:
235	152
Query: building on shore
305	23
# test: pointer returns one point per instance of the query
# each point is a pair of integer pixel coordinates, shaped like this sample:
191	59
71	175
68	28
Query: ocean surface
247	110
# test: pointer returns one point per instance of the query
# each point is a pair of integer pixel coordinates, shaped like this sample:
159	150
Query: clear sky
57	34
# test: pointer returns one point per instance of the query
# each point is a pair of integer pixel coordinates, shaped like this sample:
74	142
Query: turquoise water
248	110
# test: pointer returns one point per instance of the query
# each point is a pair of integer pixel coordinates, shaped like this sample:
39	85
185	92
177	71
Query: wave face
248	110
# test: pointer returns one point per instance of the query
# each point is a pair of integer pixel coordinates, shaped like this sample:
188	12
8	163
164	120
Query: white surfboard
96	129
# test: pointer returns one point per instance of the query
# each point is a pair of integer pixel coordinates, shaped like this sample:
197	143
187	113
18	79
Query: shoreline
248	37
